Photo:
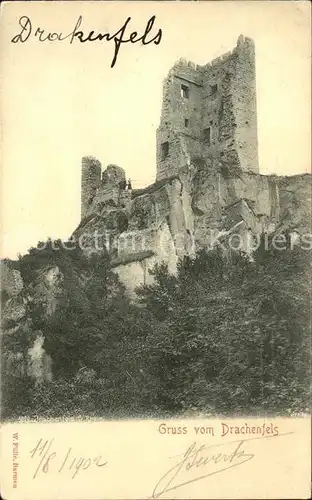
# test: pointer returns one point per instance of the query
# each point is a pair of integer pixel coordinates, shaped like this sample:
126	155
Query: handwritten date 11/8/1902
68	462
119	36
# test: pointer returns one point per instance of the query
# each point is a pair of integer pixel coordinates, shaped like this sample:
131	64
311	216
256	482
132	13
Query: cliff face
46	285
208	190
295	202
206	204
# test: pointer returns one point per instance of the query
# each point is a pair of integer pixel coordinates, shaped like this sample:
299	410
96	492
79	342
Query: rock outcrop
32	361
208	189
204	204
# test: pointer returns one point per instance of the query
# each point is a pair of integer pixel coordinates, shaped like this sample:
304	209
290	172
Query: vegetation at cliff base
222	337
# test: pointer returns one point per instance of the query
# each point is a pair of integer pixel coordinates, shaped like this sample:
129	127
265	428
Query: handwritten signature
119	36
197	458
67	461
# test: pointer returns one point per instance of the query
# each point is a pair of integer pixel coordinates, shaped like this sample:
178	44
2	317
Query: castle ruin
210	110
207	183
208	188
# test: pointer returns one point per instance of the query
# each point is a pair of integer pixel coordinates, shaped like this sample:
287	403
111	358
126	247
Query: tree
234	336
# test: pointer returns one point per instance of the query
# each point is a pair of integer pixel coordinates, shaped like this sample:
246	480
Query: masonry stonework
210	110
208	187
90	181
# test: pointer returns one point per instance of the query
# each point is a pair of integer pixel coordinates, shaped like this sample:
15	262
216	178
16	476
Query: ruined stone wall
217	109
210	111
245	105
181	116
230	108
90	181
96	193
205	202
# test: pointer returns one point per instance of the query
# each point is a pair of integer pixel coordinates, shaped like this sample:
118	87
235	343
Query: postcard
155	250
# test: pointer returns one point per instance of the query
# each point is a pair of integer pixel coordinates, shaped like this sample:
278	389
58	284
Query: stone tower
90	181
210	110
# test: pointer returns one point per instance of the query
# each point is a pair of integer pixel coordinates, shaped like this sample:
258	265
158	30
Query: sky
61	101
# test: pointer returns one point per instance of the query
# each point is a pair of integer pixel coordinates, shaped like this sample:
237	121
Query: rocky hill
208	203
